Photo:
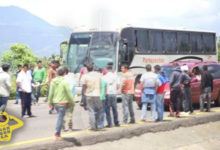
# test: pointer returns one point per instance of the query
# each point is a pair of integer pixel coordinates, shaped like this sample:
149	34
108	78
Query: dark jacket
175	79
206	80
185	80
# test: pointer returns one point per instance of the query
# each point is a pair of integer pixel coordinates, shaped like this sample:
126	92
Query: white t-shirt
112	81
24	78
92	80
149	79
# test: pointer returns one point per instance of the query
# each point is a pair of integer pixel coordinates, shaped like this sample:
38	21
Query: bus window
183	42
142	41
156	41
196	42
170	42
209	43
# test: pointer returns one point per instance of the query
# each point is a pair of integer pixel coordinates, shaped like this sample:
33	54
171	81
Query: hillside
19	26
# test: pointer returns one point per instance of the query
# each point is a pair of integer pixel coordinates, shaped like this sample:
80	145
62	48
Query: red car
195	68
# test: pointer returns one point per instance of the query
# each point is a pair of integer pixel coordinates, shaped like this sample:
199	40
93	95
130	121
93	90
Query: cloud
113	14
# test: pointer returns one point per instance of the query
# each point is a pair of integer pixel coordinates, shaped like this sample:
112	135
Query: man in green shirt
60	95
39	76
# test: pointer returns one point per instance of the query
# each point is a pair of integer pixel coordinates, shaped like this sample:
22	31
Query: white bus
138	47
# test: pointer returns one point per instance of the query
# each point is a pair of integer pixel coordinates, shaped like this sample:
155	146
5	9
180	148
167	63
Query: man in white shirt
112	87
91	85
5	86
24	83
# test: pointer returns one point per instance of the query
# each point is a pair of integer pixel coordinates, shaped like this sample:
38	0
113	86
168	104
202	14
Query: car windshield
167	70
103	48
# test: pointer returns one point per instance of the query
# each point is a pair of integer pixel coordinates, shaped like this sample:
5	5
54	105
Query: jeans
26	103
83	99
175	101
61	113
187	100
112	103
160	106
144	111
206	93
3	103
94	105
37	93
106	111
127	104
17	95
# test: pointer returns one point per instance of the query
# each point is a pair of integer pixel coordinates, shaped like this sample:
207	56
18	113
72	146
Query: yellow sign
6	129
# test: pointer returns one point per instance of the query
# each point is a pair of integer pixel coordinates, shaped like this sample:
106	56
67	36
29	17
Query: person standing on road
162	80
91	85
39	76
149	84
127	94
68	119
186	89
5	86
104	103
17	89
112	87
52	73
60	95
175	90
206	88
83	71
23	81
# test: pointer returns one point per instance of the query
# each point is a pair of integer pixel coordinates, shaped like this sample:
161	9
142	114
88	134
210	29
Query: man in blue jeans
5	86
162	80
60	95
112	87
149	84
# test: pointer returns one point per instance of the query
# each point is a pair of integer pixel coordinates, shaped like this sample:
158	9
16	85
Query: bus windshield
103	48
98	47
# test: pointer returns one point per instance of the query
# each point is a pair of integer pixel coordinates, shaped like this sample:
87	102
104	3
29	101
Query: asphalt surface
200	137
42	127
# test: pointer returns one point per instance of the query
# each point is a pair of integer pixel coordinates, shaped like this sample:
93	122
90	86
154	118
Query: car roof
191	63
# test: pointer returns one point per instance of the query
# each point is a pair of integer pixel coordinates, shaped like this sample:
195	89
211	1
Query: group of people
99	92
180	87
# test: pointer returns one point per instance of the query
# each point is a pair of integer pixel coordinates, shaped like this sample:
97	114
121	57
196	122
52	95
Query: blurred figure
206	88
175	90
112	88
39	76
60	95
17	89
127	94
24	83
186	81
91	86
83	102
149	84
162	80
5	86
68	119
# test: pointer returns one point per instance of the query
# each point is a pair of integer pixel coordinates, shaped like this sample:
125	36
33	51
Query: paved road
43	125
201	137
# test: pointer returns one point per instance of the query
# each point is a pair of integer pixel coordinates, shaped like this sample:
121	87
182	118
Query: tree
18	54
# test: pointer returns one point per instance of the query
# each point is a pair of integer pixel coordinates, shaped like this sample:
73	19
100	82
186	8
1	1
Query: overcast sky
114	14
